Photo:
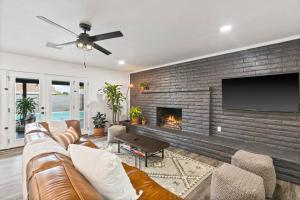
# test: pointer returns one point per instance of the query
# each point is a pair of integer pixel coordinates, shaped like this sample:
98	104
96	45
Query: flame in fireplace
171	118
172	122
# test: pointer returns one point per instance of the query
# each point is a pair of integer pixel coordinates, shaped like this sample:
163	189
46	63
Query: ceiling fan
84	41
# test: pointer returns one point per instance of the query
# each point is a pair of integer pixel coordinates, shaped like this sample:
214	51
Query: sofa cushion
53	176
67	137
45	161
104	171
56	127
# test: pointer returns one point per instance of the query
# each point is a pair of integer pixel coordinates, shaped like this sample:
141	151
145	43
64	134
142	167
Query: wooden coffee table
147	145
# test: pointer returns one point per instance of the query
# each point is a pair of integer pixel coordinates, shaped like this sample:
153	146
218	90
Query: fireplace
170	118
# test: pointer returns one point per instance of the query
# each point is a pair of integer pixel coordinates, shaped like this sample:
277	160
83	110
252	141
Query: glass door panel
27	98
60	100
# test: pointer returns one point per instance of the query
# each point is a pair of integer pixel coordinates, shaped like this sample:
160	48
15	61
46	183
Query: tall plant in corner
114	99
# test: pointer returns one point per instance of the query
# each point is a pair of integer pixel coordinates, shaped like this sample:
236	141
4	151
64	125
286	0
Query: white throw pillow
56	127
104	171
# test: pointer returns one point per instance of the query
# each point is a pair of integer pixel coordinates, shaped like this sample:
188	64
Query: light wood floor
11	178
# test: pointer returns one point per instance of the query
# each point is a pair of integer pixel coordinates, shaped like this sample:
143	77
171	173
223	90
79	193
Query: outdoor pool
57	116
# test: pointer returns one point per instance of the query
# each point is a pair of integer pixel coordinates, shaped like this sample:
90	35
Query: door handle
42	113
5	128
42	107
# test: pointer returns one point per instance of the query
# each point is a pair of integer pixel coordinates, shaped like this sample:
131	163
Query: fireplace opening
170	118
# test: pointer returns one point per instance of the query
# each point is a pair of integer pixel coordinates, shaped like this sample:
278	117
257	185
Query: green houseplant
144	86
114	99
135	114
99	122
25	106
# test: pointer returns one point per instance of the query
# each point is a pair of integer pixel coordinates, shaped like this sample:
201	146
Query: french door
26	104
67	99
31	97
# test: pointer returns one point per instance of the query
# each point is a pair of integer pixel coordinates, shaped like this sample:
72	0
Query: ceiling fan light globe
89	47
80	45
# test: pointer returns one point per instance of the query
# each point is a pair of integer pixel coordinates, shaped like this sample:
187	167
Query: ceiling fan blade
106	36
65	44
55	24
58	46
96	46
53	45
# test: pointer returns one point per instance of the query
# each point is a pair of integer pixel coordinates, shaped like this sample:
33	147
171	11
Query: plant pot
143	122
98	132
134	120
142	89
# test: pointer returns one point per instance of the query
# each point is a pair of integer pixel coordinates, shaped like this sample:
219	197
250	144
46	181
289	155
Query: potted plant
114	99
143	120
99	122
144	86
25	106
135	114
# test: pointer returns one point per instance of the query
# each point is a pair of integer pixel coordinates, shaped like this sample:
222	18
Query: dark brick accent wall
271	128
194	104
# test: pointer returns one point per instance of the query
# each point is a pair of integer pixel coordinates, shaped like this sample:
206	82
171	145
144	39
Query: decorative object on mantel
99	122
143	120
144	86
135	114
114	99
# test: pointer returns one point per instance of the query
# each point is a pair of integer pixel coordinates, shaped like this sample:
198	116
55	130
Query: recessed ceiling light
225	28
121	62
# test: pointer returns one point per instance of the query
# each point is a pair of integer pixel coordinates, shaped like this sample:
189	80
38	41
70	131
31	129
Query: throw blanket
35	148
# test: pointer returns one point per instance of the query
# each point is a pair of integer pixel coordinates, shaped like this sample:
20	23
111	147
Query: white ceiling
155	31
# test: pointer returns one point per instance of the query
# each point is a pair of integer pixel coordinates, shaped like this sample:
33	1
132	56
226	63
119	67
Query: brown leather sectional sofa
52	176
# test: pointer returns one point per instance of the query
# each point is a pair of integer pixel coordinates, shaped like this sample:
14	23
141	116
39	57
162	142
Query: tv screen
262	93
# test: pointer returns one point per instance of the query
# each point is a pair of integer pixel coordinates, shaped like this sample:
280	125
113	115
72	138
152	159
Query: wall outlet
219	128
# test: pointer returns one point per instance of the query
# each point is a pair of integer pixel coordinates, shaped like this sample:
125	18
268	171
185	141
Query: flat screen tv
262	93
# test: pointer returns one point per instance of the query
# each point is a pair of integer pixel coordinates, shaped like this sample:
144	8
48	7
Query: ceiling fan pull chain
84	59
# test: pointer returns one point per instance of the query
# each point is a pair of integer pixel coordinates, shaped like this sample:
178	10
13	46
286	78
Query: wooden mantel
177	90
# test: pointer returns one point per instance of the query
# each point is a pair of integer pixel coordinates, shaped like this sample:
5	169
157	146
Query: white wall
96	76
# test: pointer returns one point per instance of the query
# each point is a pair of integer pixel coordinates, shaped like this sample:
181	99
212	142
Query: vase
98	132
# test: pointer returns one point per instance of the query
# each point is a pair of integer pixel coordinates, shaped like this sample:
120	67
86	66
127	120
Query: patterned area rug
177	173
